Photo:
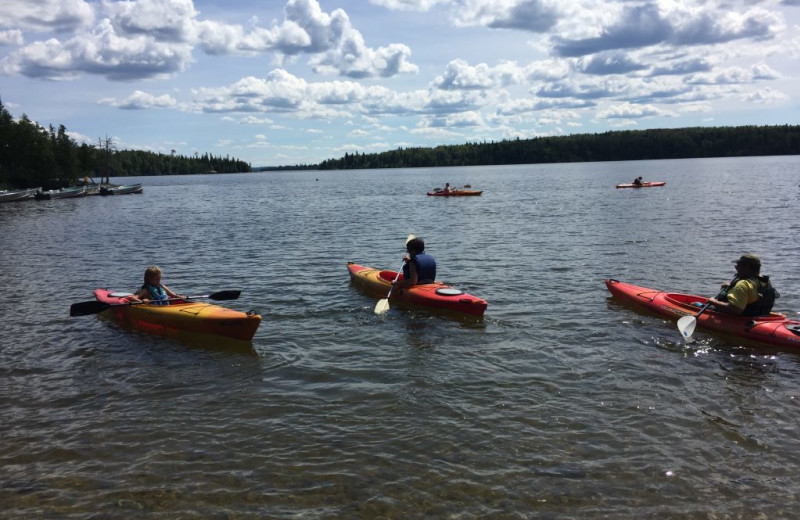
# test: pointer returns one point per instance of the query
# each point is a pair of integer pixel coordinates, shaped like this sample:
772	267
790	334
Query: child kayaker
419	267
152	289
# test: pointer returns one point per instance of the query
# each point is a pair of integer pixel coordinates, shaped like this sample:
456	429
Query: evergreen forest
32	156
629	145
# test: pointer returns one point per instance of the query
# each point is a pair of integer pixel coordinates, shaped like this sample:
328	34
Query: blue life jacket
426	268
156	294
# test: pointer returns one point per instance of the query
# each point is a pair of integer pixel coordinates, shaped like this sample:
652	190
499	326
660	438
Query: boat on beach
62	193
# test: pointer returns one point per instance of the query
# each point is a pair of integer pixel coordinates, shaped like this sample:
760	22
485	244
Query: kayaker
638	180
152	290
447	188
419	266
750	294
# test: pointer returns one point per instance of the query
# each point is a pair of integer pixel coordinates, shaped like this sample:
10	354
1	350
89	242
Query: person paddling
638	181
152	291
419	266
749	294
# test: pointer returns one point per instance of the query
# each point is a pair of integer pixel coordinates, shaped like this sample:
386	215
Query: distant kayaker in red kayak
638	180
447	188
152	290
419	266
750	294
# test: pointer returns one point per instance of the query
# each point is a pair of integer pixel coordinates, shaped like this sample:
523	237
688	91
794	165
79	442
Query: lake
560	403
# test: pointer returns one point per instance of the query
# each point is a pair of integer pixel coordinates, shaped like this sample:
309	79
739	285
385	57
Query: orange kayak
642	185
191	316
377	283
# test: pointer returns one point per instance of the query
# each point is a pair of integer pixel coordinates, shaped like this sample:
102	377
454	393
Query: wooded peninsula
32	156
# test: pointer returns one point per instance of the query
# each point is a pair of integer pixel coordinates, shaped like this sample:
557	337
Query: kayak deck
377	282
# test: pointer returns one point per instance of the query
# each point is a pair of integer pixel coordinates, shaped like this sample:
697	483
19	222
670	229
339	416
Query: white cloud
47	15
162	20
459	120
461	75
409	5
102	52
640	26
630	110
12	37
139	100
150	38
765	96
528	15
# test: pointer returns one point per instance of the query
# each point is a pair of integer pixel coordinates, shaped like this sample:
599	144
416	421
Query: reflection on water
559	403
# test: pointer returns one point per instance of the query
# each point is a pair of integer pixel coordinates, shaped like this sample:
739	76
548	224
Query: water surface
560	403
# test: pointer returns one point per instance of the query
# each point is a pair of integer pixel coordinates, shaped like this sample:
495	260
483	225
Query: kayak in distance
642	185
773	329
190	316
377	283
454	193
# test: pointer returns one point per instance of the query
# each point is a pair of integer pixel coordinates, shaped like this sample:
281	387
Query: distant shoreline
622	145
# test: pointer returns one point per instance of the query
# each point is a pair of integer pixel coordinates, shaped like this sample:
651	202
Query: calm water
561	403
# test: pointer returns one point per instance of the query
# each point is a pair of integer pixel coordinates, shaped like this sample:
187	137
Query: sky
275	82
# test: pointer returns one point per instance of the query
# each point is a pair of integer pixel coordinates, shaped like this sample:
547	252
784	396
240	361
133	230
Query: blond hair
151	271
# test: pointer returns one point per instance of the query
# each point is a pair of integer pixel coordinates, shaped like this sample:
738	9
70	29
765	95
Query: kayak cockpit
389	275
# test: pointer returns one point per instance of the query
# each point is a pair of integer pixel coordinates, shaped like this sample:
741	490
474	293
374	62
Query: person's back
420	267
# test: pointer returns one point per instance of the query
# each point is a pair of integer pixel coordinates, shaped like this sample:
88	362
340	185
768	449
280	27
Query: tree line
629	145
34	156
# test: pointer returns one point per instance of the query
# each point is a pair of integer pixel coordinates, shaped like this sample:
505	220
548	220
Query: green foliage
679	143
31	156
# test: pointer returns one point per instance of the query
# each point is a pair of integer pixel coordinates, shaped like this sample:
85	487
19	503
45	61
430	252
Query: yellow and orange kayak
191	316
377	283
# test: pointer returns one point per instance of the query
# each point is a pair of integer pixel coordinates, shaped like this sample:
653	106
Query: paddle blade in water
382	307
87	308
686	325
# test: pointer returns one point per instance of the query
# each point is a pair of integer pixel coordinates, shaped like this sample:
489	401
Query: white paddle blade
382	307
686	325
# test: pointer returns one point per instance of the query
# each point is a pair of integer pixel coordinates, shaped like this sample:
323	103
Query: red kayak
455	193
642	185
774	329
437	295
